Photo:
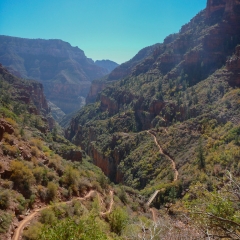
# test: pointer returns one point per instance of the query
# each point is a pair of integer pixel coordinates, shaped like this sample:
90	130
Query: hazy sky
103	29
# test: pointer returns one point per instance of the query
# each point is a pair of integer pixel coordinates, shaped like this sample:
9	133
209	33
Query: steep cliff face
28	92
229	7
64	70
5	127
201	47
108	164
233	66
95	88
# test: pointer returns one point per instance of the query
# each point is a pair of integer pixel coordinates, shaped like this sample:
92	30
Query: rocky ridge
119	72
65	71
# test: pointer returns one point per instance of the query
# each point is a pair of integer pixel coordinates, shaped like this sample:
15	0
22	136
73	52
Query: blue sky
103	29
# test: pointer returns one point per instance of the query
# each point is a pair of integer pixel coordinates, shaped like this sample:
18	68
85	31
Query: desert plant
22	176
118	219
51	191
4	199
216	213
5	222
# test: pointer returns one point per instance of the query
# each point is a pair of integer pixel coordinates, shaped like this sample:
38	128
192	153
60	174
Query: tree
217	213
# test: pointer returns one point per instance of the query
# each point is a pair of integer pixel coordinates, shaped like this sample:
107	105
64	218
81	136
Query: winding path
110	205
167	156
23	223
152	210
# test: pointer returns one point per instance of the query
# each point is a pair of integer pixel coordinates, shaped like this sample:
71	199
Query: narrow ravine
18	232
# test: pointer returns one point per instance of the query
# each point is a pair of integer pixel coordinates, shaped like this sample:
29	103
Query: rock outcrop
5	127
30	93
108	164
96	87
229	7
74	155
233	66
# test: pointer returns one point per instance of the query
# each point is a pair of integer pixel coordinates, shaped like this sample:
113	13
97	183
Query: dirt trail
152	210
110	205
169	158
23	223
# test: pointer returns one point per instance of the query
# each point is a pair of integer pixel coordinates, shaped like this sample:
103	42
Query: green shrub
22	176
4	199
33	232
71	178
118	220
87	228
5	222
38	173
47	216
51	191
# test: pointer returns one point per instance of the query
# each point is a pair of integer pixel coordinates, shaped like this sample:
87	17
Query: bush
47	216
22	176
51	191
38	173
118	220
71	178
122	195
42	192
4	199
216	213
10	150
5	222
33	232
87	228
37	142
34	151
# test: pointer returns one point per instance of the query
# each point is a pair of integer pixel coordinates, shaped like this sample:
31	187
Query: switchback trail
110	205
175	175
23	223
167	156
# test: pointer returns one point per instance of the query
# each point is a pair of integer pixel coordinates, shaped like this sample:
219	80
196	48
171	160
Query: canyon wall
65	72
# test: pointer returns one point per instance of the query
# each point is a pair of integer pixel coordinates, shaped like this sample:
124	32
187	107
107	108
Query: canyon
65	72
165	84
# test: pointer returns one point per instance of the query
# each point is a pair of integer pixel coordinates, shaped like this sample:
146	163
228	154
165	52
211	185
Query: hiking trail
26	220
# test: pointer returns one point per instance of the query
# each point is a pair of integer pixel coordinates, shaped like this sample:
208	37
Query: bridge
152	197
